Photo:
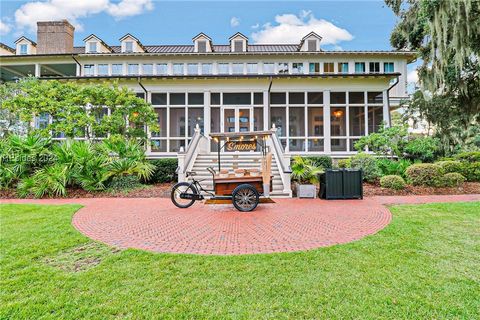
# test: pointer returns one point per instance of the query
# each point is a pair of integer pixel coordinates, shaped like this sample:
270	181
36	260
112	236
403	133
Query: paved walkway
288	225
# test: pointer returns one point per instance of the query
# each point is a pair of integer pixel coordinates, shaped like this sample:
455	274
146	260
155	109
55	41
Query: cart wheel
245	197
179	188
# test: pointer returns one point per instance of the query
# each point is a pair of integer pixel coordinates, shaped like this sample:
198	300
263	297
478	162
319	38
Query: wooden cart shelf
225	186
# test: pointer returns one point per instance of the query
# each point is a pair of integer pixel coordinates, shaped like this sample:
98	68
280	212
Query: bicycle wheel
245	197
178	189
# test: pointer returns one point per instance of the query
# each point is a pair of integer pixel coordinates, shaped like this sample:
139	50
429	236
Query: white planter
306	191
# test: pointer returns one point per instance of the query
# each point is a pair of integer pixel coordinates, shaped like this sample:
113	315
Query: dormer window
128	46
312	45
92	47
238	43
202	46
23	49
202	43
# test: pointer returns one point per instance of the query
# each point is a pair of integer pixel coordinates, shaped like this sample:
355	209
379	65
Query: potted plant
305	173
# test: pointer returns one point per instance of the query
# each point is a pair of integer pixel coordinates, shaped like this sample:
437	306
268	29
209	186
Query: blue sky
350	25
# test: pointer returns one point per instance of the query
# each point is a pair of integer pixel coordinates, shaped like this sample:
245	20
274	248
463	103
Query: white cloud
256	26
290	28
412	76
4	28
234	22
27	15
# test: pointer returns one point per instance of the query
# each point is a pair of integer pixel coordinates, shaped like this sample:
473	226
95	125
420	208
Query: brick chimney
54	37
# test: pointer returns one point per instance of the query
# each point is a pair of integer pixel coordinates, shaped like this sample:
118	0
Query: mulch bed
160	190
376	190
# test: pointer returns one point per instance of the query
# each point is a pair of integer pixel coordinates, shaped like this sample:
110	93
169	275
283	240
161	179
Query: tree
446	35
79	110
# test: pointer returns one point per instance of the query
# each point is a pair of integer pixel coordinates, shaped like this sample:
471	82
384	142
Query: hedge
164	170
424	174
453	179
392	182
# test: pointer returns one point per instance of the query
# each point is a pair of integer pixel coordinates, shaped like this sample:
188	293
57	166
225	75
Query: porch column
326	122
266	112
207	117
37	70
386	109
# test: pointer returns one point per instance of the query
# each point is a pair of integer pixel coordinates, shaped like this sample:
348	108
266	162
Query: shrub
424	149
392	182
453	179
304	170
388	141
164	170
472	156
344	163
368	164
321	161
124	182
471	171
450	166
424	174
393	167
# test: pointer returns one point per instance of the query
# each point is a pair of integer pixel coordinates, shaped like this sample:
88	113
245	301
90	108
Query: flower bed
374	189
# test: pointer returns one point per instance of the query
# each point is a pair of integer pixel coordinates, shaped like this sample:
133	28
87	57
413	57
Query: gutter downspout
144	89
78	63
388	99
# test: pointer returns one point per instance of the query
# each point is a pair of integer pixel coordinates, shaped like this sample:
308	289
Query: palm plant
51	180
127	166
305	170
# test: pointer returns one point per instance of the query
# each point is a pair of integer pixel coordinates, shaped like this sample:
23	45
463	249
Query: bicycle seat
191	173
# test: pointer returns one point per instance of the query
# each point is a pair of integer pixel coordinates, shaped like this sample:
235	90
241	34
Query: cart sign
241	145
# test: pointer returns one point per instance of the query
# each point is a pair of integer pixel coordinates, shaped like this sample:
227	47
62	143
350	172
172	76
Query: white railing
186	158
283	161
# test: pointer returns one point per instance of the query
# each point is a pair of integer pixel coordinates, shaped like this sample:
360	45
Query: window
132	69
314	67
278	98
388	67
158	145
338	145
297	68
202	46
89	70
375	119
252	68
356	97
278	117
215	98
140	95
177	98
312	45
103	69
162	69
315	145
237	68
178	69
23	49
315	122
162	122
147	69
195	116
257	119
359	67
177	122
41	121
375	97
374	66
237	98
128	46
296	98
338	97
357	121
283	68
117	69
338	122
328	67
206	68
269	68
296	121
238	45
315	98
159	98
92	47
257	98
222	68
192	68
343	67
195	98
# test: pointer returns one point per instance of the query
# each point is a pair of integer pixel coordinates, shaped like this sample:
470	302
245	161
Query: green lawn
425	264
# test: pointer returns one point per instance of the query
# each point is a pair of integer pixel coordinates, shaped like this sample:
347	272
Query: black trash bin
341	184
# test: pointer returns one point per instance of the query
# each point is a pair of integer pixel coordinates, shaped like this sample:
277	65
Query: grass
425	264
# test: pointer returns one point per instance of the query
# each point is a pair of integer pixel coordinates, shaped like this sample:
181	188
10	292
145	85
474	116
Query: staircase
232	161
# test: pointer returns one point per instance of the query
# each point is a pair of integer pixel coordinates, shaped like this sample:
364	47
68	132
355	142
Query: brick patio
288	225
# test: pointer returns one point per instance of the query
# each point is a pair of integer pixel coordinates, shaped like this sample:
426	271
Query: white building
320	102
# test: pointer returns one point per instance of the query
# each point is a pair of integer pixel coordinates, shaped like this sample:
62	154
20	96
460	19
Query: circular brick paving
288	225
